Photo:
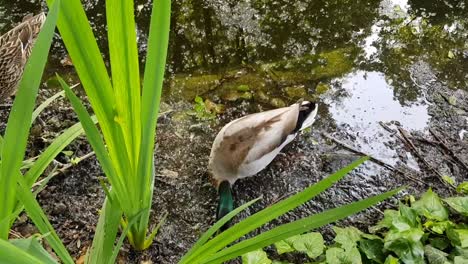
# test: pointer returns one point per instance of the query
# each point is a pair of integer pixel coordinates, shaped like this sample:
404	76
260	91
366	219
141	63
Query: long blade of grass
125	72
19	121
153	79
254	221
295	228
81	44
47	102
152	86
40	220
212	230
92	133
106	232
12	254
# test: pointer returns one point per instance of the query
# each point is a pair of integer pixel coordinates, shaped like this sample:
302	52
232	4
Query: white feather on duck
247	145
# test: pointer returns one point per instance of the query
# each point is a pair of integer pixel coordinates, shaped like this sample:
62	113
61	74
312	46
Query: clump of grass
126	110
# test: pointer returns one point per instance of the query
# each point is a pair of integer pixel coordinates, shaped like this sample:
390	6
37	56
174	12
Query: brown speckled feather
15	49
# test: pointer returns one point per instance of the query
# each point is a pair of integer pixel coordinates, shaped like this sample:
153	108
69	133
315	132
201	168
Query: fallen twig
66	167
373	159
415	150
444	145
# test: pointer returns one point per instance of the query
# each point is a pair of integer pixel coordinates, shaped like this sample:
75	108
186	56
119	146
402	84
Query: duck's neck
226	202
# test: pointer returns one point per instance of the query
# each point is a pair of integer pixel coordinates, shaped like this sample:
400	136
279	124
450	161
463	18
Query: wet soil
358	81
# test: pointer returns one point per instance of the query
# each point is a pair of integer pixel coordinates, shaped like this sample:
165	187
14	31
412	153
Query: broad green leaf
12	254
286	245
460	260
373	249
391	260
463	188
406	245
459	237
19	121
312	244
430	206
459	204
347	237
386	222
439	242
435	256
342	256
459	252
438	227
409	215
32	246
256	257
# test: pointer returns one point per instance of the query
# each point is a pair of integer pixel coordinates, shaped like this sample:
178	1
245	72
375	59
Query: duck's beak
226	202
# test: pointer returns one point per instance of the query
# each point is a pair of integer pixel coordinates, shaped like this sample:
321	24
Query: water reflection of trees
222	33
432	31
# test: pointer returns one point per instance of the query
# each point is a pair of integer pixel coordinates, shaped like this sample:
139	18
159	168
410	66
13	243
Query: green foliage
215	251
126	110
202	109
422	232
33	247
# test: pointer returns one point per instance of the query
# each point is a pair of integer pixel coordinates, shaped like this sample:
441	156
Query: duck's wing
250	138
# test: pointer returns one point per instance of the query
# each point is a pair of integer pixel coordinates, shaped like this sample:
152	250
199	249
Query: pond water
366	48
365	62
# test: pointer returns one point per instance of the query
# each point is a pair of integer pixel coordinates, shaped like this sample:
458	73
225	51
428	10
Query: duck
15	49
247	145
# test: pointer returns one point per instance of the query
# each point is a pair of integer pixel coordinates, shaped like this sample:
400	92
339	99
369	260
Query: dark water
376	47
363	61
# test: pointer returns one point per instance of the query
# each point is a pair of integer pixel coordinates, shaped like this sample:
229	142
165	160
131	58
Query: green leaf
343	256
264	216
256	257
459	237
448	180
32	246
406	245
373	249
243	88
438	227
460	260
312	244
286	245
439	242
435	256
13	254
391	260
347	237
19	121
409	215
40	220
294	228
463	188
459	204
386	222
430	206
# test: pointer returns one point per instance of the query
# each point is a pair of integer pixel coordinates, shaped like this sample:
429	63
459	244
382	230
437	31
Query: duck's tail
226	202
307	114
